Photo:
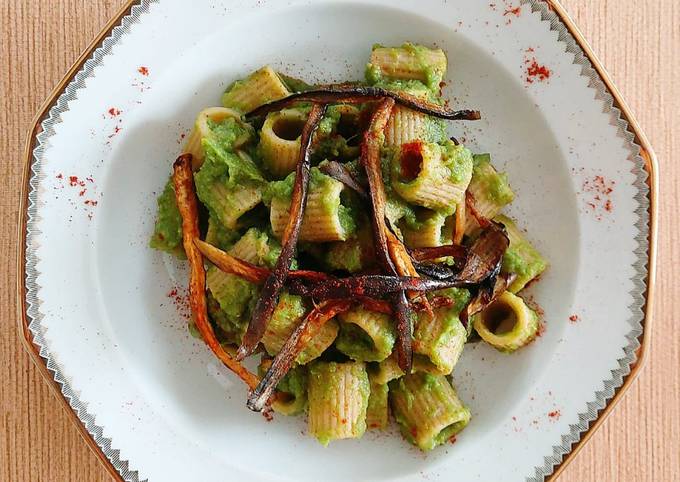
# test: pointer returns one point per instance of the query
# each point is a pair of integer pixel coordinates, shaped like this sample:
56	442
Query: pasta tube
338	398
326	217
438	341
258	88
507	324
387	370
490	191
280	141
521	258
365	335
427	409
431	175
432	229
411	62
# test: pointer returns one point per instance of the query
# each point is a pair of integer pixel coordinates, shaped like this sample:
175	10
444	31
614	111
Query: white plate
158	404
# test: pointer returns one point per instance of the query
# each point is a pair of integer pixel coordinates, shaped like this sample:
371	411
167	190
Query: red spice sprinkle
91	202
113	112
143	70
452	440
60	176
601	190
414	431
537	72
555	414
180	298
82	193
116	130
574	318
89	179
514	419
74	181
541	329
492	6
513	11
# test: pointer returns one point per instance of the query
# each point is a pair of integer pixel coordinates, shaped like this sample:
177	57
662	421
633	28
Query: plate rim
127	12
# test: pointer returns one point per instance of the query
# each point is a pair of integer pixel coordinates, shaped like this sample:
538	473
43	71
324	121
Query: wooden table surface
639	43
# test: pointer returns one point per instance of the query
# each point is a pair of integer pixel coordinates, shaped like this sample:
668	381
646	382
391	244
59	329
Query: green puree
458	160
167	234
494	184
222	164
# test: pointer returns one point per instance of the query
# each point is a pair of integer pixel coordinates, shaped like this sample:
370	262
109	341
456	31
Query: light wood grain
639	42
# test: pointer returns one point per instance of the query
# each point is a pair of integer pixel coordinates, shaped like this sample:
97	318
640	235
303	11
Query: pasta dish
340	234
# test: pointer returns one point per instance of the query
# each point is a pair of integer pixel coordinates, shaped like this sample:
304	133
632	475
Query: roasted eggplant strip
378	306
375	286
297	341
356	94
370	159
425	254
272	286
483	262
248	271
435	271
188	207
485	254
340	173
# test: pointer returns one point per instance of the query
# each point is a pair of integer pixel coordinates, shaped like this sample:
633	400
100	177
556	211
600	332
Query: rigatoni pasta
327	216
338	399
366	335
410	62
489	191
430	229
260	87
432	175
427	409
280	141
521	259
507	324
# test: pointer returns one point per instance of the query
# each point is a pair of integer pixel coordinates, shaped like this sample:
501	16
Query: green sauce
167	234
